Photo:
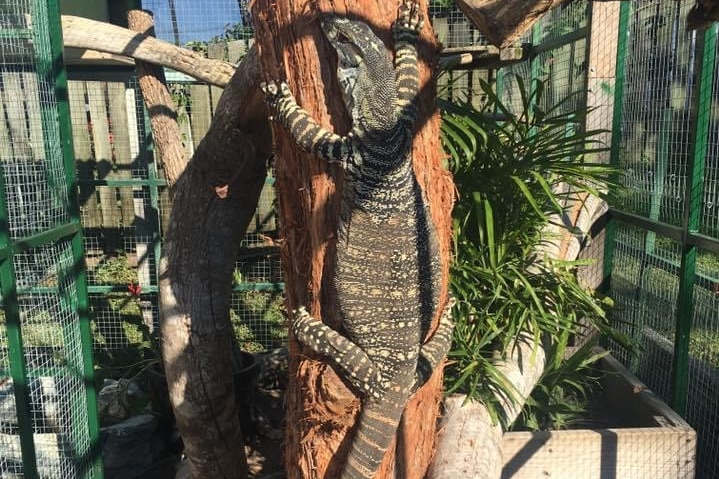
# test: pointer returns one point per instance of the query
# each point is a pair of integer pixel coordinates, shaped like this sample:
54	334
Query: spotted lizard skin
388	274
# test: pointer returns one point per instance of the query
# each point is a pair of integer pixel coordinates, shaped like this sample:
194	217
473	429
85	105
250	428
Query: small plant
259	320
507	168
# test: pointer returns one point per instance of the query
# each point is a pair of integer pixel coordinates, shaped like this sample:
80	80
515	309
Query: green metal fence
48	420
663	255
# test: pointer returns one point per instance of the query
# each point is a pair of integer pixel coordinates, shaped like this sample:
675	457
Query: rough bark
502	22
320	407
159	104
78	32
215	198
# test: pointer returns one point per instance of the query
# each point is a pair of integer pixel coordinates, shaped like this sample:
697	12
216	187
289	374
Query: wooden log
470	444
502	22
81	32
196	275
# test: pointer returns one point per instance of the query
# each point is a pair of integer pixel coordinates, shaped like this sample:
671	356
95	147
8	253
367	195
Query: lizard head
365	74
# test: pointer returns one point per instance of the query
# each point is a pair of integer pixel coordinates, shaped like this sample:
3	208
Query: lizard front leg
307	133
406	36
320	338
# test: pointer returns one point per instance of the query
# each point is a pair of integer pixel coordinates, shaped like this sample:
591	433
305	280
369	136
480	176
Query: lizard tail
378	423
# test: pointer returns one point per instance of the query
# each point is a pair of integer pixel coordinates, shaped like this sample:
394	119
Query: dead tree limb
81	32
502	22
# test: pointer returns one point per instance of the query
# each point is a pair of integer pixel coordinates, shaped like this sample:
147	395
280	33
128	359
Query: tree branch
81	32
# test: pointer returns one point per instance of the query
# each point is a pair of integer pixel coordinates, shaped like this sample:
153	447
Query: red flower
134	289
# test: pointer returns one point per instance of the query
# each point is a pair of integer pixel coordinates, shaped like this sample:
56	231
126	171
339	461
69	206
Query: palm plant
508	169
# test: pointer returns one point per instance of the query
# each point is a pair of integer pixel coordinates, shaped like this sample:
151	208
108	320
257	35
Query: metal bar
672	232
539	48
701	112
153	289
16	33
127	182
58	76
619	74
664	229
44	237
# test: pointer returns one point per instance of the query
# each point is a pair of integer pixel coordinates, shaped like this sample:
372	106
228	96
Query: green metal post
18	366
59	77
534	60
700	118
615	149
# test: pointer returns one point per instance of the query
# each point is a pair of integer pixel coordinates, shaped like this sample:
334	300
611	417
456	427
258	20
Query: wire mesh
123	225
30	156
36	197
561	61
655	118
192	24
645	283
702	410
47	297
565	19
10	456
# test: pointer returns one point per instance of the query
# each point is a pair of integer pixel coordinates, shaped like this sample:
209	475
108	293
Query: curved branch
81	32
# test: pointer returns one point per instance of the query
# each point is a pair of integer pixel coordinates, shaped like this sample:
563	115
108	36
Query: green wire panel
703	390
54	358
559	46
10	454
644	289
709	217
44	418
655	127
30	147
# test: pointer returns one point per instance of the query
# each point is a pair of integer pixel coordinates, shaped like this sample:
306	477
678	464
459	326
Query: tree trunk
158	101
320	408
214	200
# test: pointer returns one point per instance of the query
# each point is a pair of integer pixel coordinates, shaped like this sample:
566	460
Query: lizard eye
341	36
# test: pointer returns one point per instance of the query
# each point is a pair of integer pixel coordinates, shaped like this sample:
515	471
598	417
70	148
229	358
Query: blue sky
198	20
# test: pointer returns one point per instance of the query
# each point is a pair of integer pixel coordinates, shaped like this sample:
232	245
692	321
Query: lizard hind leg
355	365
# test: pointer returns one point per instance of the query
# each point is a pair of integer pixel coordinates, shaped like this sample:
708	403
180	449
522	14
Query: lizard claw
275	92
409	19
